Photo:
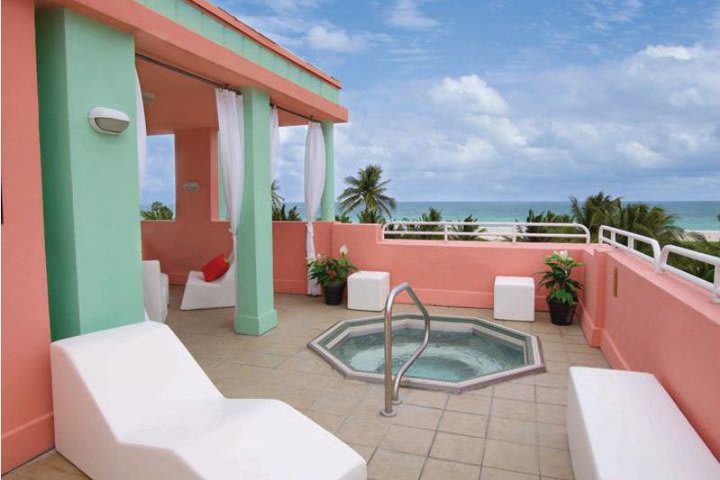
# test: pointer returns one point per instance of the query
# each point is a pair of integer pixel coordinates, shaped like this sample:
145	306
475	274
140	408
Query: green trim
328	198
255	313
212	28
90	183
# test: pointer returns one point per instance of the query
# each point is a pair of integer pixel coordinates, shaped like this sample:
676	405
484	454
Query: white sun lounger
624	426
132	403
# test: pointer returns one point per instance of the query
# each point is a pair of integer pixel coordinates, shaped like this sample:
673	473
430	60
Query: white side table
368	290
515	299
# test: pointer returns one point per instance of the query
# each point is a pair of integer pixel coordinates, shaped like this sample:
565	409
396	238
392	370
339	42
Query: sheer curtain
314	183
231	136
274	141
141	132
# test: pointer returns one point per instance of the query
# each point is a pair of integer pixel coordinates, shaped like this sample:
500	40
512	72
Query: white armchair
219	293
156	288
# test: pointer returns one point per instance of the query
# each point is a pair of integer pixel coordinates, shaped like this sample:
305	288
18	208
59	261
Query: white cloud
606	13
640	155
471	93
337	40
407	14
675	52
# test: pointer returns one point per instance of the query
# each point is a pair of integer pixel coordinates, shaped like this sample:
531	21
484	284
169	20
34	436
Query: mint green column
255	313
327	206
90	182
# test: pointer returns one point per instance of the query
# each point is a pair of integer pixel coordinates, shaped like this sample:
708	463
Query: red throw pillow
215	268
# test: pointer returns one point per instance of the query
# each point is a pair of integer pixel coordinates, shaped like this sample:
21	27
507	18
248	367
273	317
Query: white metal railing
632	238
513	230
713	286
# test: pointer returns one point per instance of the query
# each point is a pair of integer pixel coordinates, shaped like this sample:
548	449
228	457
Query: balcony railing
664	266
513	231
609	236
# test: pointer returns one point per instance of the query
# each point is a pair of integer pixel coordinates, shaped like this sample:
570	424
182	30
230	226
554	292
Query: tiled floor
510	431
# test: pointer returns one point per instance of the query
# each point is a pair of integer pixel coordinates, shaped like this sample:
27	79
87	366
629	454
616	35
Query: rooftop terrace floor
513	430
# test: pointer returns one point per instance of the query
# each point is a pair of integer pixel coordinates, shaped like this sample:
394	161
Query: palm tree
596	210
158	211
467	229
653	222
547	217
369	216
432	215
367	189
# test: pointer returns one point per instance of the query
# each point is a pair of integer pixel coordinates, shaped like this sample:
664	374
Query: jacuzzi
464	353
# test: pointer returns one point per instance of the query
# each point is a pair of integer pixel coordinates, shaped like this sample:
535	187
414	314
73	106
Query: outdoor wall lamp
191	186
107	120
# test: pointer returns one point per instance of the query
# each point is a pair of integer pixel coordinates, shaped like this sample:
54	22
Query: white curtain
314	183
274	141
141	132
231	135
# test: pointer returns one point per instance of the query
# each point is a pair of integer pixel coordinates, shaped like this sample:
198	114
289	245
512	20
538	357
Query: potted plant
562	290
331	274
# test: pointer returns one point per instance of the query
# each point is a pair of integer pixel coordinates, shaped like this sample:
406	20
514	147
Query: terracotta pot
561	313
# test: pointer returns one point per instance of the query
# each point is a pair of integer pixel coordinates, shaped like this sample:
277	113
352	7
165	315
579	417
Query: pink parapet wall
27	418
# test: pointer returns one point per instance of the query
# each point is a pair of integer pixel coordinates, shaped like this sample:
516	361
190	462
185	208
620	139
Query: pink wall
27	422
193	238
670	328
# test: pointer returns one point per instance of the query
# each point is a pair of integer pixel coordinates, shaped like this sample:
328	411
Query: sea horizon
690	215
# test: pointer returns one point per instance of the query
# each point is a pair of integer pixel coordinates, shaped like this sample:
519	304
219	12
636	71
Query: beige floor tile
510	430
458	448
469	404
511	456
515	391
420	417
408	440
328	421
554	436
554	396
443	470
463	423
386	465
495	474
555	414
515	409
426	398
555	380
555	463
331	402
365	452
363	431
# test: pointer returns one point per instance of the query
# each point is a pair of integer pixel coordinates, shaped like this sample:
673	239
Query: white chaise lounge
156	290
131	403
200	294
624	426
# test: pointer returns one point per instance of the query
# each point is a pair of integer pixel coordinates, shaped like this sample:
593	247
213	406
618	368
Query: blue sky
509	100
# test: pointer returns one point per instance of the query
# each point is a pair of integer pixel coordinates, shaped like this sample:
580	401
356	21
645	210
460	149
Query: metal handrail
518	229
630	247
392	389
713	286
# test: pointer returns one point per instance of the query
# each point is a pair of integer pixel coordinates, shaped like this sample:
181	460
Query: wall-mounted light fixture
107	120
192	186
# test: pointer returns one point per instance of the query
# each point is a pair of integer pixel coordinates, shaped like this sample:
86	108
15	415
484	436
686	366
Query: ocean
690	215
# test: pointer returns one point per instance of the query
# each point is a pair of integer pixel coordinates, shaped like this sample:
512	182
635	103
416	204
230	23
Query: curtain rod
212	82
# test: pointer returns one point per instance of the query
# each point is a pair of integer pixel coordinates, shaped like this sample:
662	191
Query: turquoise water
450	356
690	215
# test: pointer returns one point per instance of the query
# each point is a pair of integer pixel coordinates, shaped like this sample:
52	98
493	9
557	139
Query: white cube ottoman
515	298
368	290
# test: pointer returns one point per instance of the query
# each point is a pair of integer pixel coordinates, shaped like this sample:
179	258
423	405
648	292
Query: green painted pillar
255	313
90	182
327	206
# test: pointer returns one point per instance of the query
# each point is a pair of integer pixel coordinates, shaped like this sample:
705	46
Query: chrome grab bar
392	390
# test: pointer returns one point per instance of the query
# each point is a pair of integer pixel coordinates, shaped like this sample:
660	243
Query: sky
497	100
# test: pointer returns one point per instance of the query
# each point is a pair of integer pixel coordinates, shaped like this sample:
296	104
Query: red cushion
215	268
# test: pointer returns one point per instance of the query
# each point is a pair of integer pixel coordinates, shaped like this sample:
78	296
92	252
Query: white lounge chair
131	403
624	426
219	293
156	290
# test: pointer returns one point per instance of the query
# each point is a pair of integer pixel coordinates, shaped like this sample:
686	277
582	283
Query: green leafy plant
158	211
331	271
557	280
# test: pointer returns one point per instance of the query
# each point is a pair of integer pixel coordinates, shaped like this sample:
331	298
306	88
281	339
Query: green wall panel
182	12
90	187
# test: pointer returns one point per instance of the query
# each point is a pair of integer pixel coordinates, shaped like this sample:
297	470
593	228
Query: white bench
514	299
131	403
368	290
624	425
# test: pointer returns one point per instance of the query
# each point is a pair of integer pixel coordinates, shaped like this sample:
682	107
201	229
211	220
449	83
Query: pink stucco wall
27	419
